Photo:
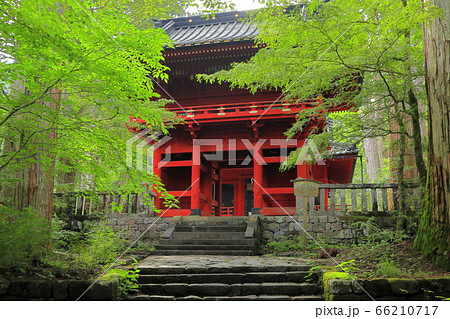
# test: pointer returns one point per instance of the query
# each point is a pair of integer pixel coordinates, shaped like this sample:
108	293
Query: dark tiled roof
198	30
339	148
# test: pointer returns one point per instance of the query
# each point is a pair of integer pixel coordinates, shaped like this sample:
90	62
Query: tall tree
72	74
433	237
323	47
354	52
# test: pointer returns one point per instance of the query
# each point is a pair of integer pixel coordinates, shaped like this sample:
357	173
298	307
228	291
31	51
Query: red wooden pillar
219	191
258	182
195	181
239	206
157	171
208	188
303	169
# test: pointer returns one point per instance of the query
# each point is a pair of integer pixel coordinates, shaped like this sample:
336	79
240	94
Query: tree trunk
417	138
400	177
433	237
413	111
35	190
373	146
36	180
373	153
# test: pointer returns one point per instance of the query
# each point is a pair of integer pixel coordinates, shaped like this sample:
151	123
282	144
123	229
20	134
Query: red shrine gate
225	159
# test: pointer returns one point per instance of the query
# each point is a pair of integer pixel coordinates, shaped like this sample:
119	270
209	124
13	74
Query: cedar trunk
36	180
433	237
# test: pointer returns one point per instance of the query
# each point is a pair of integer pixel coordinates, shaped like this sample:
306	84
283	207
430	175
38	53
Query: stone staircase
195	235
232	282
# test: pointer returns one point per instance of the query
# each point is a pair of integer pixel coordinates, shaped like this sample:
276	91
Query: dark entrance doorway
227	200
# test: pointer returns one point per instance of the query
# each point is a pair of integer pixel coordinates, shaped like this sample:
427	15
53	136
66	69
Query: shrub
128	279
388	269
101	246
371	234
285	244
24	238
61	236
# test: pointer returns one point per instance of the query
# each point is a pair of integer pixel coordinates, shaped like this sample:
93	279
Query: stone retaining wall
387	289
133	225
67	290
330	226
327	225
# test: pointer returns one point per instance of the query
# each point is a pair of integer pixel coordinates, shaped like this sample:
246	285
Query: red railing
250	110
226	211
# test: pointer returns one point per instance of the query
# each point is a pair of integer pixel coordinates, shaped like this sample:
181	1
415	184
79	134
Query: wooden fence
364	198
80	203
332	198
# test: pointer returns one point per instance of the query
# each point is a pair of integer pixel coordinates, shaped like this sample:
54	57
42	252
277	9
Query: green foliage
27	241
348	266
24	238
387	269
335	275
76	72
367	38
371	234
101	246
128	279
312	271
146	246
285	244
442	298
361	54
62	237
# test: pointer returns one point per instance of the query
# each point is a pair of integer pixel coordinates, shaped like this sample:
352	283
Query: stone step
218	289
159	270
214	222
225	298
207	235
204	247
228	278
222	242
256	298
202	252
211	228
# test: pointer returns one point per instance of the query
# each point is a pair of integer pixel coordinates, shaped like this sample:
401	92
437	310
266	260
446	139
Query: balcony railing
250	110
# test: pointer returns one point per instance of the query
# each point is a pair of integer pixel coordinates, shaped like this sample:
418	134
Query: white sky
246	4
240	5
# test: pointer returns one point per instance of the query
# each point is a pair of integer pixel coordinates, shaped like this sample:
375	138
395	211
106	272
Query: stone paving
222	263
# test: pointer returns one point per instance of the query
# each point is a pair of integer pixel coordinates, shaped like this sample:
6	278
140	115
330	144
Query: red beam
279	190
175	212
180	193
178	163
275	159
277	211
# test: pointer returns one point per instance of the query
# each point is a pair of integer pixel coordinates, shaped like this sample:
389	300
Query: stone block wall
326	225
334	227
131	226
64	290
390	289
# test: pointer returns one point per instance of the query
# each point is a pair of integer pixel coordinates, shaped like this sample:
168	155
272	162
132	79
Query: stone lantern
306	188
